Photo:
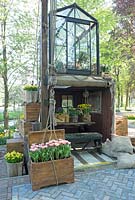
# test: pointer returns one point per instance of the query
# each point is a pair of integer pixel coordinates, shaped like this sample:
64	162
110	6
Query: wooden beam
44	65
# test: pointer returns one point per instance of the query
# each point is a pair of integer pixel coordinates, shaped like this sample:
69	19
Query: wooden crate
51	173
31	112
132	140
15	144
38	136
25	127
121	125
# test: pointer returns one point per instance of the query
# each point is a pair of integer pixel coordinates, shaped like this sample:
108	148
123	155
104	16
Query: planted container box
14	163
51	173
51	164
31	93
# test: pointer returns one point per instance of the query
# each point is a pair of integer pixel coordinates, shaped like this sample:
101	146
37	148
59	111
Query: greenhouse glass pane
93	51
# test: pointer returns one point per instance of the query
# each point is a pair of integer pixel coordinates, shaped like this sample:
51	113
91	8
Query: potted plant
51	163
73	114
14	162
82	59
85	110
61	115
31	93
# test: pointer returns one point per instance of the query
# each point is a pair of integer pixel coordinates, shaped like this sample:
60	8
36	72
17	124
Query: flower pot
51	172
73	118
14	169
31	96
86	118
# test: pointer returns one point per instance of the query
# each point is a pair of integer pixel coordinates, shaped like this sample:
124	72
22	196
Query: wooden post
44	65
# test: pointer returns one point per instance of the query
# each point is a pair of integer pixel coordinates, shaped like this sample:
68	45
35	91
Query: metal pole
44	64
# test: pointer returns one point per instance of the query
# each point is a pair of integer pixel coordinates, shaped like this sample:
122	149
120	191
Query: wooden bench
85	138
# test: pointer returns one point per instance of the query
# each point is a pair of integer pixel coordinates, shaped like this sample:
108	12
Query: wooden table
83	138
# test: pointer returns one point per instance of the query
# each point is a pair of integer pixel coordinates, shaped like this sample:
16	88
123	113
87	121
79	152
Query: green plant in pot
14	161
30	87
82	58
85	110
73	114
31	93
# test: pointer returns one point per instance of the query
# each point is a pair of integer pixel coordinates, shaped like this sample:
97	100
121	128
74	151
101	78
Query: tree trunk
44	66
4	74
118	91
127	98
6	101
121	97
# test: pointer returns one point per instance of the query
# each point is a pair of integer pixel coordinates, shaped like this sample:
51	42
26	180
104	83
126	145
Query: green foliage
131	117
12	115
4	136
52	150
31	87
73	111
13	157
19	39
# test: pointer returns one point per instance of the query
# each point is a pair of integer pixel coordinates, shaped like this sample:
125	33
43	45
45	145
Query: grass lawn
12	115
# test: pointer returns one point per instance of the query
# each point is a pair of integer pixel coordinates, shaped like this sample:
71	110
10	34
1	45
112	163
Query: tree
126	12
18	47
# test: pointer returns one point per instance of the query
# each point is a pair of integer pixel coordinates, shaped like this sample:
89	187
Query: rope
51	122
55	173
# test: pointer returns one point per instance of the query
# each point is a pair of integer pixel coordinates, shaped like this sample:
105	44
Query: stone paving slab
105	184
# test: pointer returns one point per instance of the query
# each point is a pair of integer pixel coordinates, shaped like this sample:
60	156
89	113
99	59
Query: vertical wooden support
44	63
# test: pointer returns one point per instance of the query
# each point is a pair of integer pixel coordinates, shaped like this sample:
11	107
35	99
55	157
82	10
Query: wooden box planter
31	112
121	126
14	169
51	173
38	136
31	96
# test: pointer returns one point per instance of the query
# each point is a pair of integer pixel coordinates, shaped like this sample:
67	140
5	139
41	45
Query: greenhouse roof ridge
74	5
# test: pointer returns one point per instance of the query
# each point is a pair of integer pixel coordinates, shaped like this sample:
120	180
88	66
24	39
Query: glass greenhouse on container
76	42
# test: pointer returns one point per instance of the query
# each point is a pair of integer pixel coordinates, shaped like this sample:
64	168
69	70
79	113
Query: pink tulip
33	149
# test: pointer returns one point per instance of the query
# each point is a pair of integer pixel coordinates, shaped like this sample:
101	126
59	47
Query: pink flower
56	144
64	142
34	145
51	145
44	146
33	149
